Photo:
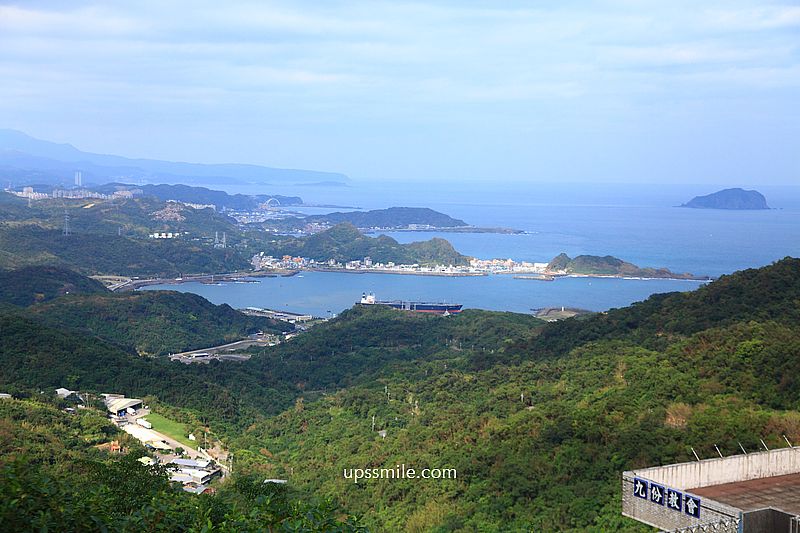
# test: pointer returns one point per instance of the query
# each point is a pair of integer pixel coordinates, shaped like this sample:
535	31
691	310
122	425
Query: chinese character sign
674	500
640	488
691	505
657	494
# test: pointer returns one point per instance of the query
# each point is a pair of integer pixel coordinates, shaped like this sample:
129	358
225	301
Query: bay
326	293
637	223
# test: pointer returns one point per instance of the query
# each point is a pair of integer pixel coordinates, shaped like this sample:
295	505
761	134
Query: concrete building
119	405
192	463
65	393
148	437
749	493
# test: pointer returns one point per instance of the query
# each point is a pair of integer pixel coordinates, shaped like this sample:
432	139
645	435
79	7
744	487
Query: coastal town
601	267
476	267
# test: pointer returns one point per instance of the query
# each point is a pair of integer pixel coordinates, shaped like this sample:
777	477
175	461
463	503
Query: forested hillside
155	322
28	244
111	237
393	217
55	475
344	242
539	420
540	427
146	323
26	286
609	266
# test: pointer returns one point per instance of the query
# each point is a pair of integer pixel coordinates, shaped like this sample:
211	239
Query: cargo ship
417	307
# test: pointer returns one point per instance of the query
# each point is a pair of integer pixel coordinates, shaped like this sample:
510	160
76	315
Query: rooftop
115	405
777	492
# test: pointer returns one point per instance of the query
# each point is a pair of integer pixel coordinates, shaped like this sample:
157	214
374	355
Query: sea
638	223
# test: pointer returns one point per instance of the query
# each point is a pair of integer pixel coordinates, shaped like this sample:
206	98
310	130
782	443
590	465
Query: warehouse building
748	493
120	406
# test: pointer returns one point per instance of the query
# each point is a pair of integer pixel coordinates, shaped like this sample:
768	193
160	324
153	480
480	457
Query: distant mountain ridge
201	195
24	155
733	199
391	217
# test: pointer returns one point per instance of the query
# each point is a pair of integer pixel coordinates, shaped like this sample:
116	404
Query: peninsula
377	220
732	199
593	265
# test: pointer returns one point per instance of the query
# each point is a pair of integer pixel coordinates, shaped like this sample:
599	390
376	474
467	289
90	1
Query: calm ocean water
637	223
325	293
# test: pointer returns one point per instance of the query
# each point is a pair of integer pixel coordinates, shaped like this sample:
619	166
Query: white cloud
398	66
755	19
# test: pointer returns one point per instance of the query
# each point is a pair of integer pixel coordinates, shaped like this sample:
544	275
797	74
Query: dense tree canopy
539	420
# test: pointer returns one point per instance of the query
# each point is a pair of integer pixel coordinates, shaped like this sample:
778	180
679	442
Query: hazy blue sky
662	91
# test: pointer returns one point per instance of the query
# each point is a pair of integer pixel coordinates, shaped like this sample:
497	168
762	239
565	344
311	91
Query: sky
562	91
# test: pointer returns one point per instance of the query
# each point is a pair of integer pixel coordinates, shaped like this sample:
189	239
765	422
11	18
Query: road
214	351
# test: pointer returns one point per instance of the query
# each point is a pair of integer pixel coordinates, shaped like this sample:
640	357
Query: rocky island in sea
734	199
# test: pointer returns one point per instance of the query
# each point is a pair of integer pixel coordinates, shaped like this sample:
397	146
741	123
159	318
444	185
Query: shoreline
454	229
398	272
228	277
241	277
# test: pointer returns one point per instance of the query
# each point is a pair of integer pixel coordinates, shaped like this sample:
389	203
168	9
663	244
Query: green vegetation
53	477
154	322
147	323
344	242
540	426
539	420
393	217
201	195
28	244
170	428
30	285
111	237
132	217
608	266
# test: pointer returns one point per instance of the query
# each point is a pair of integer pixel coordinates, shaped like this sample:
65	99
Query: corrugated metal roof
197	463
120	404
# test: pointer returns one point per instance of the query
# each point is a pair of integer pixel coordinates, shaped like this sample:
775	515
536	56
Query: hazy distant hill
392	217
729	199
201	195
25	157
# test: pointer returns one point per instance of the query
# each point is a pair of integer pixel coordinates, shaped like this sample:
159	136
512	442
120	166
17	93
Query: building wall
666	519
766	521
725	470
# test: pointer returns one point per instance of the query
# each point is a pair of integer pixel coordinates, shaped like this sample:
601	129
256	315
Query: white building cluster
475	268
503	266
72	194
167	235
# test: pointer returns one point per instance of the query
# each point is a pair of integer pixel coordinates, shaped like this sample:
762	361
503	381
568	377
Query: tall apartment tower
78	178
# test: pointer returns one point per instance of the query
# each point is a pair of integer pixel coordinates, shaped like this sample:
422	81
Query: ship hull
422	307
